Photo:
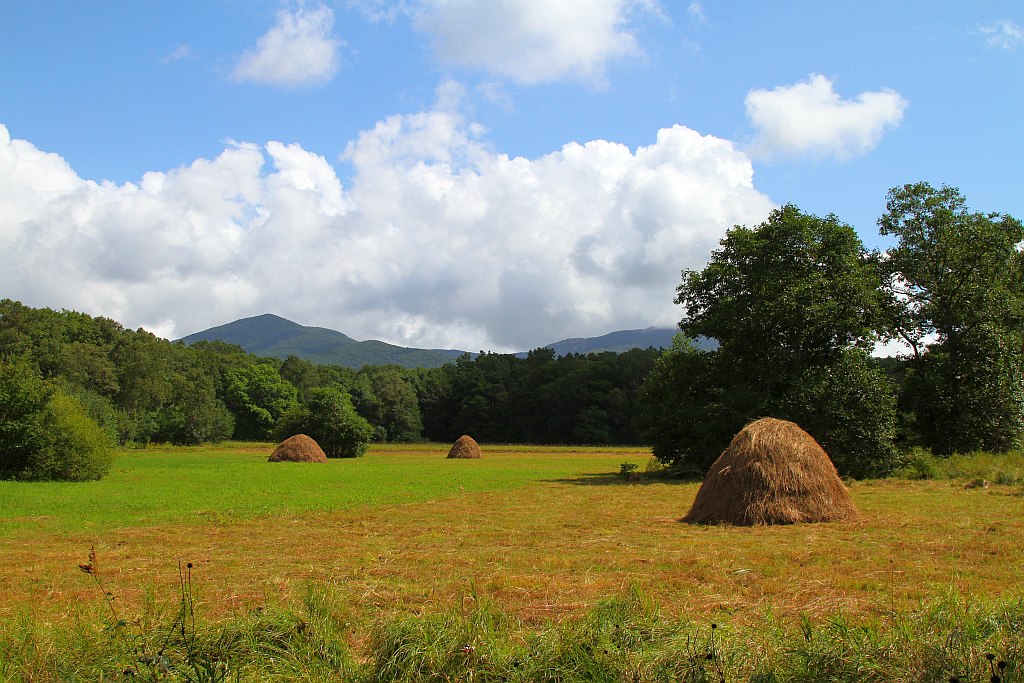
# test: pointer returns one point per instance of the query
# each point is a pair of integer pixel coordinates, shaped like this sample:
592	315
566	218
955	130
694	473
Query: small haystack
298	448
465	447
773	472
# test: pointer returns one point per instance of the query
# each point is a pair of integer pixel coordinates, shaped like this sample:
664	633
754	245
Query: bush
691	413
919	463
45	433
23	397
258	397
98	407
75	447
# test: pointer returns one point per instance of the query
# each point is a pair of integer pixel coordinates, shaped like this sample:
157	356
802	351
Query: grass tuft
620	639
1005	469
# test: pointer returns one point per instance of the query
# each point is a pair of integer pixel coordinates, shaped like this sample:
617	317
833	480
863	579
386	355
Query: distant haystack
298	448
773	472
465	447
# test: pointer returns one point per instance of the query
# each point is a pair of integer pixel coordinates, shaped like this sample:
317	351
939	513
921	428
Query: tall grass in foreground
950	638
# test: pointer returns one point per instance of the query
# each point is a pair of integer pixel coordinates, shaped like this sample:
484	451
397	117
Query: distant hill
623	340
271	335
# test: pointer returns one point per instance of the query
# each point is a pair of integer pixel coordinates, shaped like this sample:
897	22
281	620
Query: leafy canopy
796	290
258	396
956	280
794	305
952	270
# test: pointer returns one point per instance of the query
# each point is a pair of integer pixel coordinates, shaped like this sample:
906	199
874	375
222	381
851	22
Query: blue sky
468	174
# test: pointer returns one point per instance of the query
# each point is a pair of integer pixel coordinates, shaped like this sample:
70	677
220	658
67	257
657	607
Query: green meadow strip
161	486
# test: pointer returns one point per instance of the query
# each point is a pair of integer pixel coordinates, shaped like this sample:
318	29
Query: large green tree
957	286
383	395
258	397
331	420
795	306
194	414
792	293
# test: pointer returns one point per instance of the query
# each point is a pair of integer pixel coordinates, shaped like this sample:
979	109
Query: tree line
138	389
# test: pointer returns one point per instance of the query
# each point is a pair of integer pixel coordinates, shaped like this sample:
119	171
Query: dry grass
549	549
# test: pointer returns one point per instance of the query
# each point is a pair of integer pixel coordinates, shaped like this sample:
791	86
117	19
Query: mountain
623	340
271	335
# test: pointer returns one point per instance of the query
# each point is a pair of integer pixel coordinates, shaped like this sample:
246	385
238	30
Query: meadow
532	563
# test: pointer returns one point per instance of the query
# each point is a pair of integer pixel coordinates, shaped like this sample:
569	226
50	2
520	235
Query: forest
143	389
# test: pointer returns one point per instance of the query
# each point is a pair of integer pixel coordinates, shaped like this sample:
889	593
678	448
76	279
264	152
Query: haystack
465	447
773	472
298	448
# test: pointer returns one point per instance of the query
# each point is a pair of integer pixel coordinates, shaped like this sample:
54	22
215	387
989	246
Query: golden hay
465	447
298	448
773	472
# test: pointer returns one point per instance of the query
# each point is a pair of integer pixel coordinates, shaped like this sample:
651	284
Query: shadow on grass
616	479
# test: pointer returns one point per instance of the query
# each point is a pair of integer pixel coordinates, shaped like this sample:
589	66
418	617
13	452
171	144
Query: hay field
543	533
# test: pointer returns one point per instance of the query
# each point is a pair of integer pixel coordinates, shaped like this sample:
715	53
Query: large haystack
298	448
773	472
465	447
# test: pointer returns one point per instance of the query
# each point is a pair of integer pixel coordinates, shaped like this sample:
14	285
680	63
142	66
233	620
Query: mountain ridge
271	335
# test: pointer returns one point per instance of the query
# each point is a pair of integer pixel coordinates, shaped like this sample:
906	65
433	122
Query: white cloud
809	118
438	242
179	53
1003	34
383	10
533	41
299	50
696	12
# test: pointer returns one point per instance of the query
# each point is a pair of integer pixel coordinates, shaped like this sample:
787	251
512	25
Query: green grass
622	638
234	481
1002	468
994	468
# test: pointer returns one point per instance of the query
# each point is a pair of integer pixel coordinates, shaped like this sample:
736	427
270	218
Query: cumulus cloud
809	118
1003	34
439	241
532	41
299	50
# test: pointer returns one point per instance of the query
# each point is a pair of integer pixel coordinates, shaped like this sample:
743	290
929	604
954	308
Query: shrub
258	397
919	463
698	401
690	413
76	448
45	433
627	470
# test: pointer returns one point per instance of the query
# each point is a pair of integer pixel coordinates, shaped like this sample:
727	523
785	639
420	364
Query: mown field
524	542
